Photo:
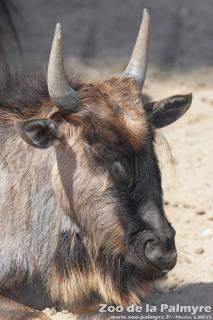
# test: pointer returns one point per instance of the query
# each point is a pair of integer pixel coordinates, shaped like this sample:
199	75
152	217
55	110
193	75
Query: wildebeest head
109	178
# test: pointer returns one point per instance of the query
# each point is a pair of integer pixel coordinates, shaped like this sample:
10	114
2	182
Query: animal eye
119	173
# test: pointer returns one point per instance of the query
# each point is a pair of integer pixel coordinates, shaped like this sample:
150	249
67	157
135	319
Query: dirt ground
181	61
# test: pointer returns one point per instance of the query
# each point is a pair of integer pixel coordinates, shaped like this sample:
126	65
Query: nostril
160	258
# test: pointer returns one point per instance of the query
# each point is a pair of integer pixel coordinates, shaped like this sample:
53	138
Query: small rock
200	212
199	250
175	205
187	260
186	205
210	217
207	233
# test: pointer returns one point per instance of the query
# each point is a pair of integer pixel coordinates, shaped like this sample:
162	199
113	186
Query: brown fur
109	106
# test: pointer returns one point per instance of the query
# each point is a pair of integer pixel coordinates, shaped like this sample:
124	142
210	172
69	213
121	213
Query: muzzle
152	247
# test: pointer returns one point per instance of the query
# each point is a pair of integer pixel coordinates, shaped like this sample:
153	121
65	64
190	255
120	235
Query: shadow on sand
197	294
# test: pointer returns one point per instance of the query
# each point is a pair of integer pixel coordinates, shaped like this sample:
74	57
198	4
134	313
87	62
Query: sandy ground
98	40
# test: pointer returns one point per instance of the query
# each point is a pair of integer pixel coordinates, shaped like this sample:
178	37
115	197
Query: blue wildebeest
81	207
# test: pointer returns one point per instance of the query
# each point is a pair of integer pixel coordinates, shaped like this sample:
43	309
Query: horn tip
58	30
58	26
146	12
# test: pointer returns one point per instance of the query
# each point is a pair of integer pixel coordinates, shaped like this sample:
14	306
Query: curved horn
138	63
60	91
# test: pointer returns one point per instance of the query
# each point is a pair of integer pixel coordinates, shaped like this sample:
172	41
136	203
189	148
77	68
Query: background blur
98	38
103	31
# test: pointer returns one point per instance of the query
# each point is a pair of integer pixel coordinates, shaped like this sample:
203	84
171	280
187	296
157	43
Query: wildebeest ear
41	133
164	112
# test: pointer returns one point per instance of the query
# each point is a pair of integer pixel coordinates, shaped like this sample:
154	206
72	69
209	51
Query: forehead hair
113	108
